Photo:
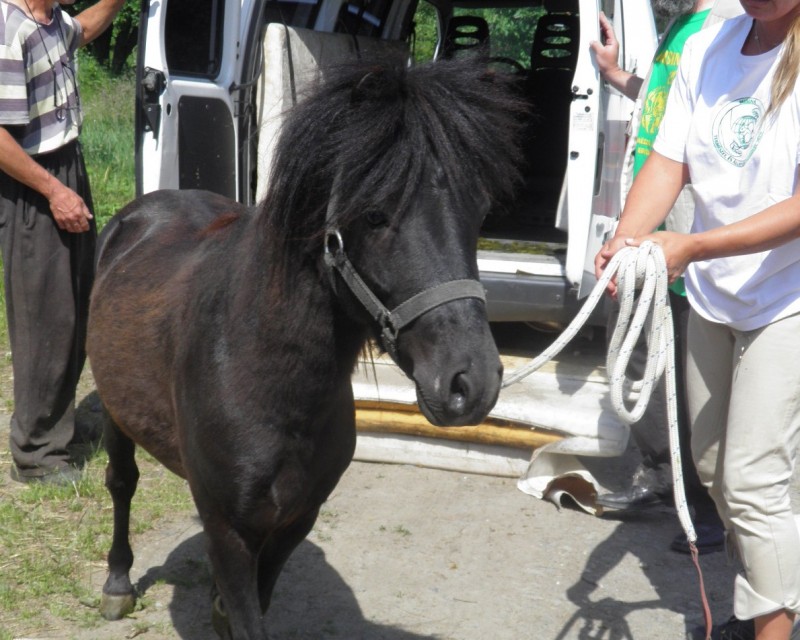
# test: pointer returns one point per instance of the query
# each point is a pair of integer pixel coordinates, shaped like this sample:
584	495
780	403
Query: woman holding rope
732	129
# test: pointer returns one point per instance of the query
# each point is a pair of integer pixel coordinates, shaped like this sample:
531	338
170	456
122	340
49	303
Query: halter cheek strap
391	322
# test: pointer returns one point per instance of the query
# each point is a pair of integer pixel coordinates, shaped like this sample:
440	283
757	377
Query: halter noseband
391	322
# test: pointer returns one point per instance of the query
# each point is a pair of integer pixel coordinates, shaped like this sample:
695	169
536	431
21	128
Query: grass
54	540
108	137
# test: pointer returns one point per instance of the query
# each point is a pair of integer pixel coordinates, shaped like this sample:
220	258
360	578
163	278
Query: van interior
535	41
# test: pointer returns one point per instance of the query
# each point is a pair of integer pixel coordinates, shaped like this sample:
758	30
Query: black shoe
61	476
634	499
710	538
733	629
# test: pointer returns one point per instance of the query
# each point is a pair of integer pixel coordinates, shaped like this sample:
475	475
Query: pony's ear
367	85
377	81
488	75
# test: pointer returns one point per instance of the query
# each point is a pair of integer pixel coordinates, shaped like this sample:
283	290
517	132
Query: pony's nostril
458	394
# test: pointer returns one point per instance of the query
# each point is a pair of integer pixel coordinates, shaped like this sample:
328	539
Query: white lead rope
642	268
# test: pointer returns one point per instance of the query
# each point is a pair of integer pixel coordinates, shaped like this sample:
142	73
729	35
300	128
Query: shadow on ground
311	600
672	577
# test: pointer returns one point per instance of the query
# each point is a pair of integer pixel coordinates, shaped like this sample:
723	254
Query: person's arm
772	227
69	210
97	18
652	196
607	55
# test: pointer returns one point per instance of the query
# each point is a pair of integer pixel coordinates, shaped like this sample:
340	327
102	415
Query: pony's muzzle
464	399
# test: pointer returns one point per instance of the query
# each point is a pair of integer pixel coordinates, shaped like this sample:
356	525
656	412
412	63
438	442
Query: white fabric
739	163
310	52
680	218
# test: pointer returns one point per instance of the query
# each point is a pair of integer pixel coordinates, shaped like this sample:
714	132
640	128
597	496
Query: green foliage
511	30
425	32
108	135
113	49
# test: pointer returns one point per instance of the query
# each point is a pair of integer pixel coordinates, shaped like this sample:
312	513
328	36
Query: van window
193	37
294	13
363	17
511	30
504	32
425	36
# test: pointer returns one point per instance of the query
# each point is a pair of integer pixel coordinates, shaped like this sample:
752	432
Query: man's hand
607	50
69	210
607	55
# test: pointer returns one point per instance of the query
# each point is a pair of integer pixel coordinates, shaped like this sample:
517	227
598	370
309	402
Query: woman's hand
678	251
603	257
677	248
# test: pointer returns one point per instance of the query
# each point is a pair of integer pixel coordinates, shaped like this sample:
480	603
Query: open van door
586	149
185	127
601	123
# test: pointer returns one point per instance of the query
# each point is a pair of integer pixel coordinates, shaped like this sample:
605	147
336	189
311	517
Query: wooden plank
396	418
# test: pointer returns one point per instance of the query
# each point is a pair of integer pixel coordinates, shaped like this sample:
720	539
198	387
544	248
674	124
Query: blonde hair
786	74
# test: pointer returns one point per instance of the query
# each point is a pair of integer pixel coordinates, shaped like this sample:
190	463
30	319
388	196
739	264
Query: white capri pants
744	402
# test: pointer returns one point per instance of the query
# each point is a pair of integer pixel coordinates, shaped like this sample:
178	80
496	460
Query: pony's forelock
376	128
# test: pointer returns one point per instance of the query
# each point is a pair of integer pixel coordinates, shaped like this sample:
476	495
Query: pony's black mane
378	126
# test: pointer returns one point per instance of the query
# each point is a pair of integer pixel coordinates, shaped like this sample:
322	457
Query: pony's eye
376	219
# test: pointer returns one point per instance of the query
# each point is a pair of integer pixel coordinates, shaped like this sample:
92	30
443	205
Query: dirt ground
408	553
405	553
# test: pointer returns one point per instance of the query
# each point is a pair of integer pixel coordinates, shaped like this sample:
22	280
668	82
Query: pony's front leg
236	613
277	551
122	475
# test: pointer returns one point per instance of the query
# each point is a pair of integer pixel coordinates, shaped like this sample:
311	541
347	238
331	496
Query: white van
214	76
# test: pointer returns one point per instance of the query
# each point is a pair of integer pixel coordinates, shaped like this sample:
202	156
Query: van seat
548	87
466	33
310	51
555	42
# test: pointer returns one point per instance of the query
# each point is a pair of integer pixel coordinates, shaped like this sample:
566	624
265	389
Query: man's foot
61	476
710	538
634	499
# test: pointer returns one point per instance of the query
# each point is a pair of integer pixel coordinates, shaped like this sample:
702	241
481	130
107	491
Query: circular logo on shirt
736	131
653	109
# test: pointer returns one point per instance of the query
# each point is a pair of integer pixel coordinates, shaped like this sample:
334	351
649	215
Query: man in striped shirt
47	231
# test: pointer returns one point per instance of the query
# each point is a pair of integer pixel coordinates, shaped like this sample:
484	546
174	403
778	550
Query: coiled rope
641	269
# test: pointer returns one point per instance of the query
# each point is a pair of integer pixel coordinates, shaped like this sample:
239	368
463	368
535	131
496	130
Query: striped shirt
38	87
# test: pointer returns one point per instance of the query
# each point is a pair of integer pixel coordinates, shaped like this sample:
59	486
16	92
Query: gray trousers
48	276
745	411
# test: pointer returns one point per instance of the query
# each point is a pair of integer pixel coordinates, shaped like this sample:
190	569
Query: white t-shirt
739	163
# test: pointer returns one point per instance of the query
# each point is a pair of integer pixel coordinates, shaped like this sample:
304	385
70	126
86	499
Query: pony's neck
294	287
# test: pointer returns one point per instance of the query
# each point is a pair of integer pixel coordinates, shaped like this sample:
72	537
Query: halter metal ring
333	236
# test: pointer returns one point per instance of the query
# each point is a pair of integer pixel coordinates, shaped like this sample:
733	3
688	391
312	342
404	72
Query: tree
113	48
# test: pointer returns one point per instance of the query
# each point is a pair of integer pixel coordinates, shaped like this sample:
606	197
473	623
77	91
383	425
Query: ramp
535	431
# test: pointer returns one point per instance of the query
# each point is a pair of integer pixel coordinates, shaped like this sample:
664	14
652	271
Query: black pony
222	338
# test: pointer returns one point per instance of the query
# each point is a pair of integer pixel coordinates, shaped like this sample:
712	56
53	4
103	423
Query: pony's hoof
117	607
219	619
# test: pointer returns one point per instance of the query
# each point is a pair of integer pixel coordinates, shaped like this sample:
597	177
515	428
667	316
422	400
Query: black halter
391	322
